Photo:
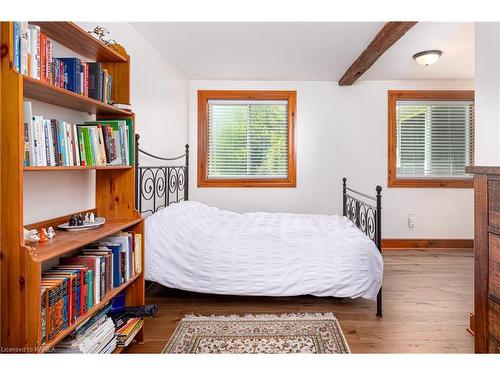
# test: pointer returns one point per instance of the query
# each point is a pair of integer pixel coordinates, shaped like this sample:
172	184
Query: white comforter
194	247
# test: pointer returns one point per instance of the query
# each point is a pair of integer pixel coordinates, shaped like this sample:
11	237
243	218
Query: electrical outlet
411	220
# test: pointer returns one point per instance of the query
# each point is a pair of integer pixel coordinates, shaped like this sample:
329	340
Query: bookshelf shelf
45	92
66	241
76	168
107	298
80	41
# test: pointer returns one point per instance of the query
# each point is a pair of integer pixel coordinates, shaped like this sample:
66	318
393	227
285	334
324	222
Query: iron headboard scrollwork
158	186
365	212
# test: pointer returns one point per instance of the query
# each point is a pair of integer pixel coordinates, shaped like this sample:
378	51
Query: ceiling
316	51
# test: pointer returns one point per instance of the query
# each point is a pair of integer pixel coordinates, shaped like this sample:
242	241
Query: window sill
458	183
250	183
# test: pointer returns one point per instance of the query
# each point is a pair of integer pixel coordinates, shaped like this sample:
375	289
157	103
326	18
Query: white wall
159	99
487	63
342	131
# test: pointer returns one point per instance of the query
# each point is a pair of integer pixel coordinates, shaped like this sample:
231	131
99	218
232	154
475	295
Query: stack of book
78	283
94	336
51	142
126	333
33	57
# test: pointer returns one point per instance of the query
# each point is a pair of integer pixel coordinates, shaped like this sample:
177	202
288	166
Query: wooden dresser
486	259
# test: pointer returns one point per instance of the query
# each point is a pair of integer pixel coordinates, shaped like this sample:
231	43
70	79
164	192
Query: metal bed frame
366	214
159	186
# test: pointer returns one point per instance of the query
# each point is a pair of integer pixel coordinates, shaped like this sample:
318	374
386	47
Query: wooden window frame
393	97
203	97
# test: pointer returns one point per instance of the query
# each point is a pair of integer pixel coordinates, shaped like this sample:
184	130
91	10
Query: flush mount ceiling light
427	58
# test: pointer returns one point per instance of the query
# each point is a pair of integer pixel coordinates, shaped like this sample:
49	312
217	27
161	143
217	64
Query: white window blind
247	139
435	139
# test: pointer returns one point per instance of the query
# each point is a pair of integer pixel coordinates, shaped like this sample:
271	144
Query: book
101	145
138	252
106	257
114	249
43	58
56	319
95	336
44	302
29	144
122	238
24	48
55	142
34	43
100	285
127	333
67	298
16	45
95	80
51	155
48	60
82	273
61	131
123	133
72	69
81	146
46	126
39	141
73	291
94	275
124	106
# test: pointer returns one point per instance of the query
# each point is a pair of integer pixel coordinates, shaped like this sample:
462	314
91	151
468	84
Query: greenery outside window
246	138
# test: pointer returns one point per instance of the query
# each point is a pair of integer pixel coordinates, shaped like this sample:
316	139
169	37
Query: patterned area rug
266	334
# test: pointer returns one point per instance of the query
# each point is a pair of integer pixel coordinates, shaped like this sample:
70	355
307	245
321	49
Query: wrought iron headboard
159	186
364	211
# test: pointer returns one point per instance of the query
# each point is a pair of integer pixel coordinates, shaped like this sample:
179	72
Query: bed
194	247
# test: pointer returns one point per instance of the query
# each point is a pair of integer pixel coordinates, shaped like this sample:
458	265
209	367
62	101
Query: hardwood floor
428	295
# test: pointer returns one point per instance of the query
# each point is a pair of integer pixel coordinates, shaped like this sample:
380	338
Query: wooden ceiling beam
386	37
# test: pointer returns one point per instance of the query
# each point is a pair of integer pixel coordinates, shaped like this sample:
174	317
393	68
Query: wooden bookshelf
22	264
45	92
78	168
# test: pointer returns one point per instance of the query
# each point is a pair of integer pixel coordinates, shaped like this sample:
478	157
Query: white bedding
191	246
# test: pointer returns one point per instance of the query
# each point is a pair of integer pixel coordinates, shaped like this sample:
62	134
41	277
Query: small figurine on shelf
73	222
51	233
43	235
100	32
83	221
31	235
80	220
89	218
76	220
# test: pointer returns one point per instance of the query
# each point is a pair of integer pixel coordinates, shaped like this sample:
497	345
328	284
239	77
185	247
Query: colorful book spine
34	51
43	333
16	44
95	80
48	60
43	58
81	146
24	48
138	252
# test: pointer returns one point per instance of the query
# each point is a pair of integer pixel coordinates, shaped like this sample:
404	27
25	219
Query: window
246	139
431	138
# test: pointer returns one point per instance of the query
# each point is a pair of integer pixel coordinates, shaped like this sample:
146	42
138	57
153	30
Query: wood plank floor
428	295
